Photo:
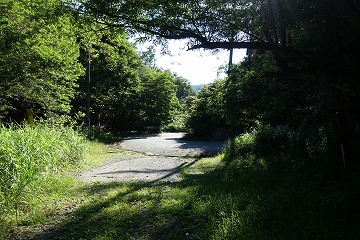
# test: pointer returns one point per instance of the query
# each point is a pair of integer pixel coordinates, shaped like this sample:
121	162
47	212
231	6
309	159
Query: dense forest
55	62
290	111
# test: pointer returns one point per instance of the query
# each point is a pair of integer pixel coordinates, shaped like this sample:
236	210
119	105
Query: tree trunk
274	24
88	92
342	133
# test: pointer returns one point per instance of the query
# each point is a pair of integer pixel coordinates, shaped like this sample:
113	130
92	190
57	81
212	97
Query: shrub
272	141
284	148
263	140
207	111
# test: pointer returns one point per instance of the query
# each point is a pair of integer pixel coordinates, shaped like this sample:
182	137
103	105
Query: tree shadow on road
135	210
171	145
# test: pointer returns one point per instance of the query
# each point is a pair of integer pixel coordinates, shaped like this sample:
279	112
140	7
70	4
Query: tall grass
29	154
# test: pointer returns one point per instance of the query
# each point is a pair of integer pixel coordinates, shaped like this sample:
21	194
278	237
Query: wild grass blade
28	154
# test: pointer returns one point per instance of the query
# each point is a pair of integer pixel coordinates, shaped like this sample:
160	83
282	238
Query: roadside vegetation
245	198
30	156
37	172
290	111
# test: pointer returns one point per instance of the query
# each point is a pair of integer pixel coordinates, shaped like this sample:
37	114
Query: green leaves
199	21
157	97
126	94
39	58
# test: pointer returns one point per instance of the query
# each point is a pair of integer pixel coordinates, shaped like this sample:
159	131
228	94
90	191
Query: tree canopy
70	56
313	42
38	44
290	29
59	63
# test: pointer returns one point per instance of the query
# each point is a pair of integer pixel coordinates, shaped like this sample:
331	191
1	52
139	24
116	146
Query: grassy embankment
29	158
238	199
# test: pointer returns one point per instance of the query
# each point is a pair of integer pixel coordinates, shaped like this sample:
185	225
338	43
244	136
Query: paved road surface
170	144
163	159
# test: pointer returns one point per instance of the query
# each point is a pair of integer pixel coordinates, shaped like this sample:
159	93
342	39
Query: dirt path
162	158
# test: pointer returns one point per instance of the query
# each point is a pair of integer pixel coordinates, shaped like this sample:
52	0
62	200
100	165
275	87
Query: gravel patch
147	169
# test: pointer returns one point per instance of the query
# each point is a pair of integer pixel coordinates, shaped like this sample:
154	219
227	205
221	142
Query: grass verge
29	155
215	200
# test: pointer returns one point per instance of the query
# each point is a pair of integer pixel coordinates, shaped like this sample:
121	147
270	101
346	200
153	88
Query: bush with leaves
308	148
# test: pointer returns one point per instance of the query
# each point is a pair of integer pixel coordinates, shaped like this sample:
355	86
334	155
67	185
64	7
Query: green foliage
125	93
282	101
181	106
157	97
114	79
184	89
301	49
38	58
94	133
283	149
242	100
31	154
253	95
199	21
264	142
207	110
255	92
177	121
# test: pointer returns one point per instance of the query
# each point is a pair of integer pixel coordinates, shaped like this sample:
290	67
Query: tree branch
174	32
232	45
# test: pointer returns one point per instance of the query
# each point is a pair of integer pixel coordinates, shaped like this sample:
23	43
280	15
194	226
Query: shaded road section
163	160
171	145
147	169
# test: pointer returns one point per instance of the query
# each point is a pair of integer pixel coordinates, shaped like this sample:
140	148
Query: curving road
171	145
163	159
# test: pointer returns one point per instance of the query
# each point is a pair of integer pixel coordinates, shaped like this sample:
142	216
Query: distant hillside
198	87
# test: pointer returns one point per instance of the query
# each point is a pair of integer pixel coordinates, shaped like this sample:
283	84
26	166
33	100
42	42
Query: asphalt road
170	145
162	159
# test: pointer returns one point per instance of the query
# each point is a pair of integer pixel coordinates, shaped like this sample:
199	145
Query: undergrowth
29	156
213	201
245	198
